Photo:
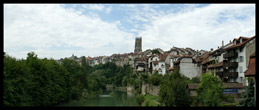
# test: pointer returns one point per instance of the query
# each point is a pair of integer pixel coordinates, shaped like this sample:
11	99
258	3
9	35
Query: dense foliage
40	82
195	80
36	82
114	74
173	91
209	90
155	79
155	51
140	98
248	96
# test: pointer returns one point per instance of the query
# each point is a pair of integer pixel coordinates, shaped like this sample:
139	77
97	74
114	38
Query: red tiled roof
155	62
186	56
88	58
243	37
162	57
204	56
171	68
140	59
220	64
240	44
251	66
204	59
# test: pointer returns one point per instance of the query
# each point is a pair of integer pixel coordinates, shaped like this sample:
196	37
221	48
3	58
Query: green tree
155	51
248	96
195	80
16	83
173	91
155	79
97	82
209	90
140	98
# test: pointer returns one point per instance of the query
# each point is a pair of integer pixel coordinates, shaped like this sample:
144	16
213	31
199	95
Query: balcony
230	55
211	59
230	74
220	73
230	64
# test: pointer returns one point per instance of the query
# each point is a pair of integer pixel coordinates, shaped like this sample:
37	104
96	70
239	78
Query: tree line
41	82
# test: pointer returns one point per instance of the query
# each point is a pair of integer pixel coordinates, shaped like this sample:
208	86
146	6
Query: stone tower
138	45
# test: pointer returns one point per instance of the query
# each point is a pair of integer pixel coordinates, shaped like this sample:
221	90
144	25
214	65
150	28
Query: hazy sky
60	30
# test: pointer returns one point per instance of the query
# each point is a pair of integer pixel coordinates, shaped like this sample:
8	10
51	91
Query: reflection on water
104	96
105	99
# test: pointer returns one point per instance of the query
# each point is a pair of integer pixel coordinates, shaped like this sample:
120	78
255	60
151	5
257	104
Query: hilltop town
229	61
156	77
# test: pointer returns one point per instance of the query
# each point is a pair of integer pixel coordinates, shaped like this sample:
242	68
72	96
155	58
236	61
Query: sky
60	30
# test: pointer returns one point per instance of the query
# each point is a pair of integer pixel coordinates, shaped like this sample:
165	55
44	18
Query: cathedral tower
138	45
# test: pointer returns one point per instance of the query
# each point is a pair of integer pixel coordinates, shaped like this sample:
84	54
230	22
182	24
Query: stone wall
130	88
193	93
124	89
150	89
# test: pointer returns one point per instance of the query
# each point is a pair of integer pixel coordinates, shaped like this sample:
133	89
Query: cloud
200	28
53	31
94	7
108	10
58	31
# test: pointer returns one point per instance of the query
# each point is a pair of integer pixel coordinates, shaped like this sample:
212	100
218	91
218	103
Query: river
105	99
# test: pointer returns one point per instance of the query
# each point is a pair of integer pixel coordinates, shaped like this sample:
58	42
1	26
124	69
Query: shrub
173	91
140	98
209	90
155	79
228	98
195	80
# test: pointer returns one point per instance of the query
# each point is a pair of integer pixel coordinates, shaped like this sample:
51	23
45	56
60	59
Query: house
105	59
217	65
140	64
235	59
170	59
208	60
199	59
153	63
161	63
188	66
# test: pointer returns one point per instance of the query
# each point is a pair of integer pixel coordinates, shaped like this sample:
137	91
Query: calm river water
105	99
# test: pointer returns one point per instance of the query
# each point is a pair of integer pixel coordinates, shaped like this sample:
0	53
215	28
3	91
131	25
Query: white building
236	59
188	67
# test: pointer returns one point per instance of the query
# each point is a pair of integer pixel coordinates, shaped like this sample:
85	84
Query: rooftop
251	71
240	44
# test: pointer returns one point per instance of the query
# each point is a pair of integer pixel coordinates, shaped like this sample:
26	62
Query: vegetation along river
108	98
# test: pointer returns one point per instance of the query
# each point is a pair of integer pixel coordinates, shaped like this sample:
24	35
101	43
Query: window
162	66
160	70
241	59
240	69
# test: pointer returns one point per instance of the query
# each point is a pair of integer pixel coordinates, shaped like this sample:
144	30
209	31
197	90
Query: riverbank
107	98
149	100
